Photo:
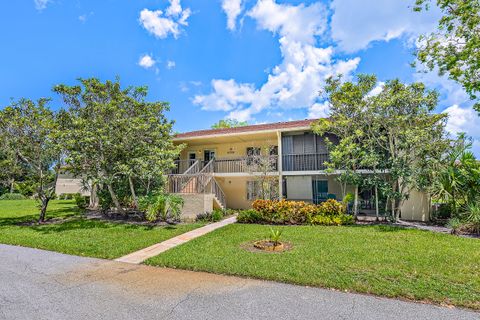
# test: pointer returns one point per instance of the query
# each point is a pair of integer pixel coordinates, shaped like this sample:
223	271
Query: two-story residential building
215	169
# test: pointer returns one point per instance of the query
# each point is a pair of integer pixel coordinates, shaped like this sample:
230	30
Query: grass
380	260
77	235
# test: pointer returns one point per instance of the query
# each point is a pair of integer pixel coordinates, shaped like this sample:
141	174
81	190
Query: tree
115	135
457	180
347	121
229	123
261	166
454	48
29	135
393	134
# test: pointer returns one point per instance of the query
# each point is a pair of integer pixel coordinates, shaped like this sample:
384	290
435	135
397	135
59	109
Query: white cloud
464	120
232	9
146	61
298	23
355	24
162	25
295	82
41	4
319	110
451	92
171	64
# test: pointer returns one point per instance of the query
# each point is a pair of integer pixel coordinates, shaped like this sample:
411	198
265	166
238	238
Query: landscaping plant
162	206
330	212
275	235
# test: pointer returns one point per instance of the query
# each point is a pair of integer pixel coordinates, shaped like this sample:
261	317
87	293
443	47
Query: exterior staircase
198	181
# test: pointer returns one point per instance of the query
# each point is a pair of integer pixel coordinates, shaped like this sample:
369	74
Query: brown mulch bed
249	246
131	217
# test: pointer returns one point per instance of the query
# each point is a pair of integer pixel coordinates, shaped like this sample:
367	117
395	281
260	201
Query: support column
279	165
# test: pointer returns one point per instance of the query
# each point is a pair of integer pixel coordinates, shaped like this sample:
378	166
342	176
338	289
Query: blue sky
254	60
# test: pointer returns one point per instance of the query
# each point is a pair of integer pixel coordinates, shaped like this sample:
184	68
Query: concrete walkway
154	250
43	285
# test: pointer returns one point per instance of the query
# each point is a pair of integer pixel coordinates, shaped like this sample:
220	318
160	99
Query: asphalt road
36	284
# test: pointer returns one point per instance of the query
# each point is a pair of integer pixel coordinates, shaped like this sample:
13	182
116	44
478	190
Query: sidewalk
146	253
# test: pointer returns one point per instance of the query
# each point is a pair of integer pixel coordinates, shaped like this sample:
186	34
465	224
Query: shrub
284	212
162	206
12	196
249	216
214	216
454	224
331	208
472	218
298	212
81	201
217	215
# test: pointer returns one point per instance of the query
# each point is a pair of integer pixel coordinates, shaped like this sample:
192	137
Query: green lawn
381	260
77	235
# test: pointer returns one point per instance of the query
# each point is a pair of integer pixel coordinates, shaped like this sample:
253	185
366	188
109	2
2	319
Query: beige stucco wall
195	204
235	189
417	207
69	186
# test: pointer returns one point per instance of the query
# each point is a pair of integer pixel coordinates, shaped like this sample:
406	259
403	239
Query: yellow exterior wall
226	150
235	189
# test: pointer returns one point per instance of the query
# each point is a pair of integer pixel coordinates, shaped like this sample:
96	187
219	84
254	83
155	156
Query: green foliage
454	48
12	196
161	206
249	216
349	197
26	187
229	123
73	234
329	220
472	217
81	201
29	140
295	212
214	216
116	138
395	130
275	236
217	215
380	260
454	224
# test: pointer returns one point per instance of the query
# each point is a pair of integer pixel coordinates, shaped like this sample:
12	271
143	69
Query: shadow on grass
61	213
86	224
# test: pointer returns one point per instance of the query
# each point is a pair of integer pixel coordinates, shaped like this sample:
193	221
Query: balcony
304	162
246	164
290	162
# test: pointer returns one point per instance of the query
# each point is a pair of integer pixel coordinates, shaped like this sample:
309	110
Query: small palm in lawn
275	235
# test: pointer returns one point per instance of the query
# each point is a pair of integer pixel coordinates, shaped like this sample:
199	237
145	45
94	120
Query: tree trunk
12	185
94	198
115	199
355	203
43	209
132	191
376	202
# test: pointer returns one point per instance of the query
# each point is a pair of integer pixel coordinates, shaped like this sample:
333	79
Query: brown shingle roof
256	127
